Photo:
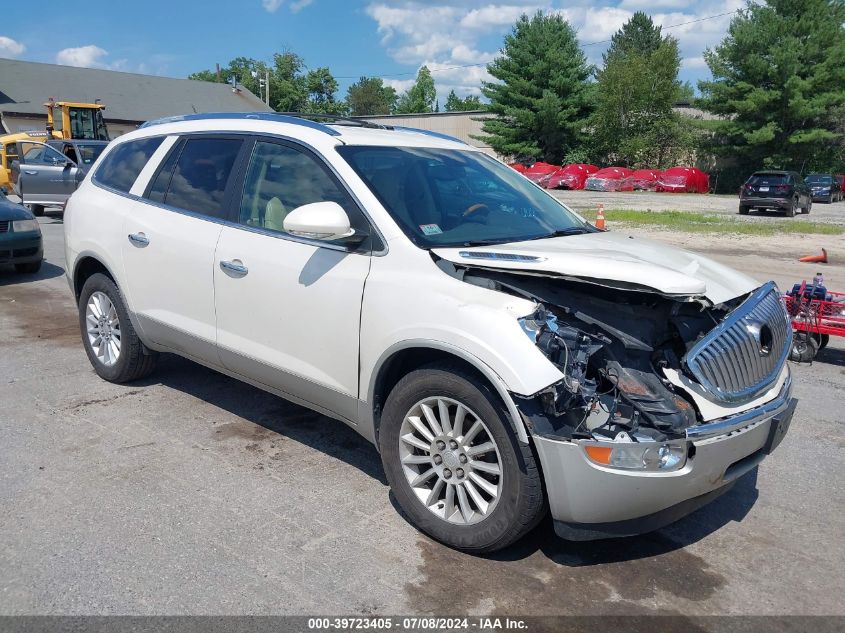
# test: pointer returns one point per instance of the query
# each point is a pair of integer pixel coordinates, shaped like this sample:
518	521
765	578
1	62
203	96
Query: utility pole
267	87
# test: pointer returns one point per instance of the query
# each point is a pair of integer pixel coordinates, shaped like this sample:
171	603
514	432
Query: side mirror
319	221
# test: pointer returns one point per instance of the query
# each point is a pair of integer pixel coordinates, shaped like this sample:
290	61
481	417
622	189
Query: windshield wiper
485	242
572	230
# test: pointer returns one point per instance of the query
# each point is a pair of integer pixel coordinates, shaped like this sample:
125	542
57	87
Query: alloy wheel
103	328
451	460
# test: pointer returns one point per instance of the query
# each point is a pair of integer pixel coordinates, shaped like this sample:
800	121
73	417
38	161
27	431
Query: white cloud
271	6
447	33
651	5
89	56
9	47
693	63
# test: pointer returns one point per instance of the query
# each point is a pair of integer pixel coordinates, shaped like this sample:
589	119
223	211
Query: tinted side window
123	164
279	179
161	183
200	175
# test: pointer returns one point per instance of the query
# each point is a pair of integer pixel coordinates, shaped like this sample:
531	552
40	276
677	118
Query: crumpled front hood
612	258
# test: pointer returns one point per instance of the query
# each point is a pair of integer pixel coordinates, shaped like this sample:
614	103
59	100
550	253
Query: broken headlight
629	455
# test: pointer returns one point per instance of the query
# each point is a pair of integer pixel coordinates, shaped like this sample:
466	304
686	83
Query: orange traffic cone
600	218
812	259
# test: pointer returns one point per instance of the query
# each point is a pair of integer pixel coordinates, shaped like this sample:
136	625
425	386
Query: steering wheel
475	208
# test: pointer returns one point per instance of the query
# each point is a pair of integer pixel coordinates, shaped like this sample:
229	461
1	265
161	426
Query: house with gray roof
130	99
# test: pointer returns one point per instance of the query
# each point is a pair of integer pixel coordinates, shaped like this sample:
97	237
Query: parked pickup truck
45	174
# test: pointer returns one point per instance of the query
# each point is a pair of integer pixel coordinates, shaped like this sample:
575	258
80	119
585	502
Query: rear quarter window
122	165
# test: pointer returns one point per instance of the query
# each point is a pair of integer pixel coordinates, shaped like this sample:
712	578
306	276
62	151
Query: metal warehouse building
130	99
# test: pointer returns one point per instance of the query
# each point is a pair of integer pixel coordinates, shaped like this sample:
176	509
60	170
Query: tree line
776	98
293	88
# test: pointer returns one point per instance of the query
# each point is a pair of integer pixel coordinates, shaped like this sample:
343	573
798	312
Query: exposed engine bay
612	345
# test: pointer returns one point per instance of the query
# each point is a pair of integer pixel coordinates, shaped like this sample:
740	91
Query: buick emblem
762	335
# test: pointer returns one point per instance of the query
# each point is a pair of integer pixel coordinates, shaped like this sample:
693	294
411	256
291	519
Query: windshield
818	180
458	198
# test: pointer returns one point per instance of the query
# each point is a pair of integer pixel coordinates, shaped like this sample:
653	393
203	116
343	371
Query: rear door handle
139	239
235	267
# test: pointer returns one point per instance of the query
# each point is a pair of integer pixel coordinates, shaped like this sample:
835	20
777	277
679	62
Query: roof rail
260	116
445	137
338	119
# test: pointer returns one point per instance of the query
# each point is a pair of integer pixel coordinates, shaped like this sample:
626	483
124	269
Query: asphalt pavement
192	493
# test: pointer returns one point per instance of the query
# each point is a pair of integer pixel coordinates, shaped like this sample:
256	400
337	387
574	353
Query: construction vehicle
65	120
76	120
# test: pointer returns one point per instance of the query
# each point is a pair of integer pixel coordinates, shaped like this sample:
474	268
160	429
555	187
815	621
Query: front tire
112	345
743	210
454	463
37	209
809	207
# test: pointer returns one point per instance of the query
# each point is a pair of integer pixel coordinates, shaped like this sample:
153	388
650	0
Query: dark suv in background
824	188
782	191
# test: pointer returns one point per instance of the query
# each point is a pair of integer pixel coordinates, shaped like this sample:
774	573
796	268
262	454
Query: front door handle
236	267
30	172
139	239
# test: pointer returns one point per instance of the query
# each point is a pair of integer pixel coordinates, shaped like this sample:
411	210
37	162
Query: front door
171	234
45	176
288	309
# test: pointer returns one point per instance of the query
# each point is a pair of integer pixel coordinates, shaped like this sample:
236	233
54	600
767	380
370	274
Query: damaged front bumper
590	501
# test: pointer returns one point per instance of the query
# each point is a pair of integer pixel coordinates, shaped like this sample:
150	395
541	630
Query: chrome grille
742	356
4	226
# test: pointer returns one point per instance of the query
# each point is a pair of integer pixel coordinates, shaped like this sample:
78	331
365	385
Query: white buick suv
505	357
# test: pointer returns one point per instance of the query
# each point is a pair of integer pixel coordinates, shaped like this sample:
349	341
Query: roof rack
417	130
338	119
260	116
300	118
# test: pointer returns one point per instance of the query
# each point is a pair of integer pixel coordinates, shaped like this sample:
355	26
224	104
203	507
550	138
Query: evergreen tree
638	35
542	99
455	104
369	95
420	97
634	123
779	85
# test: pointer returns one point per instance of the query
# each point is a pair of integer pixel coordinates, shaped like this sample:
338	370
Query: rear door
44	176
171	235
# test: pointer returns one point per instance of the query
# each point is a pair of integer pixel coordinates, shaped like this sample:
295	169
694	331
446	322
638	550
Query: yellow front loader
68	120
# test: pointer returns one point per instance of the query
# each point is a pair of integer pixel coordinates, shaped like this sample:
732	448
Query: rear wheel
454	463
112	345
37	209
790	211
809	206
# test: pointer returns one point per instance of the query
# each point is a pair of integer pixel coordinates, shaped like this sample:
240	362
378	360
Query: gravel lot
191	493
705	203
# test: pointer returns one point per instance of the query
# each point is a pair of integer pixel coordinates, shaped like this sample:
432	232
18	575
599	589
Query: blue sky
389	38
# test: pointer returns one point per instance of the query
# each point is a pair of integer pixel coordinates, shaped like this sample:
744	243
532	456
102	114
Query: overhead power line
445	68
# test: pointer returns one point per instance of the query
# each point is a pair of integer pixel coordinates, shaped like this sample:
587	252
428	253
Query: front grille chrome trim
731	361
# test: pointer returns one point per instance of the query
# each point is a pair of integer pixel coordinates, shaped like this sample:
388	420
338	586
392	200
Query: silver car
48	173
